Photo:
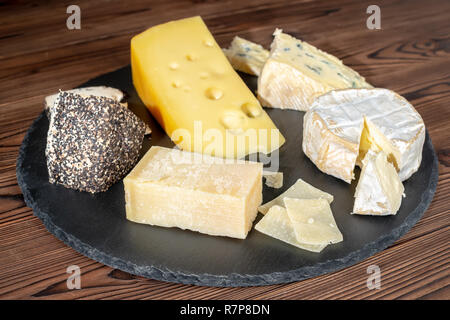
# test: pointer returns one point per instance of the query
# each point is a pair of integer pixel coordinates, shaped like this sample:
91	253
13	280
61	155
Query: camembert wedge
343	125
185	80
174	188
379	191
296	72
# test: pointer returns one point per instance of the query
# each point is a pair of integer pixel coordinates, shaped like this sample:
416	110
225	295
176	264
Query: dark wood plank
38	56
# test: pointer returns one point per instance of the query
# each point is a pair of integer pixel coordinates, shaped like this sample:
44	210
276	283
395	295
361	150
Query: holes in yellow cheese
174	65
191	57
235	121
251	110
208	43
213	93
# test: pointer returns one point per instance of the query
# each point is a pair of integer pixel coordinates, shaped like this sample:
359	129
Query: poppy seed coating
92	142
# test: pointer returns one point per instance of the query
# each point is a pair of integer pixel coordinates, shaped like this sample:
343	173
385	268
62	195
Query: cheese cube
174	188
246	56
297	72
185	80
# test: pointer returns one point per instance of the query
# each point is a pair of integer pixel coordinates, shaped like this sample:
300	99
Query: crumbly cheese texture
277	224
296	72
343	125
379	191
185	80
174	188
299	190
97	91
313	221
273	179
246	56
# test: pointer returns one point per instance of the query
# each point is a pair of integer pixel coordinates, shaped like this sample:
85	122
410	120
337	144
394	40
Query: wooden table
39	55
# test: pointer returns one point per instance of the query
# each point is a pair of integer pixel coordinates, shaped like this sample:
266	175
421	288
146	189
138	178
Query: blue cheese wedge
297	72
246	56
313	221
276	224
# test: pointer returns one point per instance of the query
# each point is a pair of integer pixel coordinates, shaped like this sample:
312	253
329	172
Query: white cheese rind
379	190
246	56
332	131
297	72
173	188
273	179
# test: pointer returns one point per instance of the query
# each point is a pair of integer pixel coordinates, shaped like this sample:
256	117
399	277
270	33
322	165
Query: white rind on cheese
276	224
313	221
299	190
173	188
343	124
246	56
296	72
379	190
98	91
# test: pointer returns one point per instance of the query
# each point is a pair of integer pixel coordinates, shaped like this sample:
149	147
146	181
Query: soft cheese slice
297	72
173	188
98	91
246	56
313	221
185	80
379	190
343	125
299	190
276	224
273	179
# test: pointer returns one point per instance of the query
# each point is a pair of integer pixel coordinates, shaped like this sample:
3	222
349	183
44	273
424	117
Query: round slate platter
95	225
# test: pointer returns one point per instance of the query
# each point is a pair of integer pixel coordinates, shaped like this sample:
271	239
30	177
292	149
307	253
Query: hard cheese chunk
246	56
173	188
313	221
379	190
273	179
187	83
297	72
299	190
276	224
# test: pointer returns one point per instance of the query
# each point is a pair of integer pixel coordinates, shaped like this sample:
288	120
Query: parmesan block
187	83
297	72
273	179
379	191
246	56
173	188
299	190
313	221
276	224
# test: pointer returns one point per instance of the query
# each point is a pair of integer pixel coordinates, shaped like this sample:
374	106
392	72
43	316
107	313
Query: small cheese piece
97	91
185	80
343	125
173	188
297	72
276	224
246	56
273	179
299	190
313	221
379	190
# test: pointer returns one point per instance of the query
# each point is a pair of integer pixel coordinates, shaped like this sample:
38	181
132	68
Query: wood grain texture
39	55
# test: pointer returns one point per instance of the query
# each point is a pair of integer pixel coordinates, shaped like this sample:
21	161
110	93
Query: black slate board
95	225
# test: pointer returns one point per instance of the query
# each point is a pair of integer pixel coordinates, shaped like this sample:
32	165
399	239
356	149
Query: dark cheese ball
92	142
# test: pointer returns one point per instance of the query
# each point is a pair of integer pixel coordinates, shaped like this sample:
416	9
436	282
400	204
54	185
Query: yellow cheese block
187	83
174	188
